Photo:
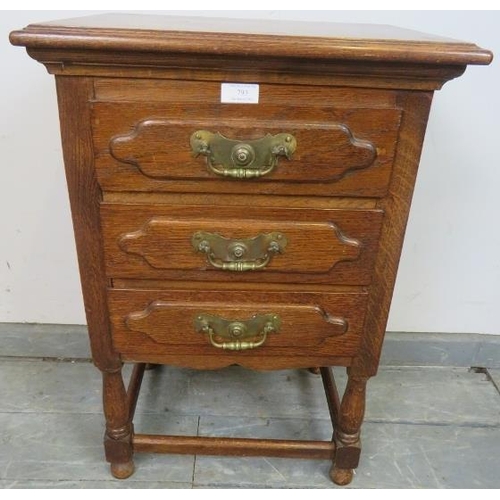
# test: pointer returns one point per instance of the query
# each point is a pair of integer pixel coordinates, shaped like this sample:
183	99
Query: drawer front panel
221	243
273	149
235	325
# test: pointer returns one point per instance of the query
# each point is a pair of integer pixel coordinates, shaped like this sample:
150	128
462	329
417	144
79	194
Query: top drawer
290	148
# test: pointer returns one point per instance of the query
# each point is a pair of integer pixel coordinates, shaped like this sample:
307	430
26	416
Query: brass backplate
248	254
243	159
237	335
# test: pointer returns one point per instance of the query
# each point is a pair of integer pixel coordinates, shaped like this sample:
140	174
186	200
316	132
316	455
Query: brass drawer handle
242	159
236	335
249	254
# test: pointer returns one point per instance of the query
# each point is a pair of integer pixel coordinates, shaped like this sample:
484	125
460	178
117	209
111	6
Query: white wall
450	272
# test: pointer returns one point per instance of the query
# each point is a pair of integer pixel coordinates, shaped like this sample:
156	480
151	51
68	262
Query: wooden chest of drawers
239	196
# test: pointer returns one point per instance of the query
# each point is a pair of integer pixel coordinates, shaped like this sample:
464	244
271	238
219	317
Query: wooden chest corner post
240	197
396	207
75	95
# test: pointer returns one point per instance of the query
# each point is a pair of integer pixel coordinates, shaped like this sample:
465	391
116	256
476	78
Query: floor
425	427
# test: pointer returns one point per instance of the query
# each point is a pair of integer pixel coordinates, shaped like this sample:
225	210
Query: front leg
347	432
118	436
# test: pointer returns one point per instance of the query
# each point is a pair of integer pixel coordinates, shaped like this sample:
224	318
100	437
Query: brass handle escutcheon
236	335
242	159
249	254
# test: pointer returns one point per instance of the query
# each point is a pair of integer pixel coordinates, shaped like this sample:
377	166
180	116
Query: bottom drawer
209	329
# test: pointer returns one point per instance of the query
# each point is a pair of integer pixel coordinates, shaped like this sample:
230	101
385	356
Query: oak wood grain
236	200
246	447
396	207
158	148
134	387
323	246
74	95
172	48
252	361
340	151
142	284
263	38
160	322
118	434
281	94
376	75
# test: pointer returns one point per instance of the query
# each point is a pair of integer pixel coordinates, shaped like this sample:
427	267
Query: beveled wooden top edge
176	34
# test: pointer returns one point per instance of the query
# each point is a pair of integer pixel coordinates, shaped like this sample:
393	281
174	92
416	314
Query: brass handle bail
237	335
242	160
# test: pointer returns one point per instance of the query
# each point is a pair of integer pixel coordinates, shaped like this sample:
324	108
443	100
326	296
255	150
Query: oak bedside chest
239	193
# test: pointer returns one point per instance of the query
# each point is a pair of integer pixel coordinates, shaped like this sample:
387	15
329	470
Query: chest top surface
295	39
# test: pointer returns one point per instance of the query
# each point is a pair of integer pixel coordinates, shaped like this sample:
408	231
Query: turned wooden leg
347	433
118	436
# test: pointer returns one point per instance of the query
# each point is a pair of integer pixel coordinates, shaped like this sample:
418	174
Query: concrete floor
425	427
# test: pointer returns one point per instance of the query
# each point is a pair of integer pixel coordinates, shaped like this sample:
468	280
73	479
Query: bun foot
341	476
122	470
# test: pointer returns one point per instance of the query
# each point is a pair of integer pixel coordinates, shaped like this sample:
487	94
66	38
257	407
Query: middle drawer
219	243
